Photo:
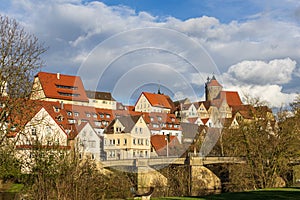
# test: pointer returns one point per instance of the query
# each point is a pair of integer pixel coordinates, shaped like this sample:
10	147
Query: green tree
268	147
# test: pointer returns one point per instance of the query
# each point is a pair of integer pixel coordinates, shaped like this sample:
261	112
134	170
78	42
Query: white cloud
272	94
72	29
278	71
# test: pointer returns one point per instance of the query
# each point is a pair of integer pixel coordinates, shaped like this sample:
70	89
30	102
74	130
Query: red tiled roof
205	120
232	98
59	86
159	141
158	100
62	113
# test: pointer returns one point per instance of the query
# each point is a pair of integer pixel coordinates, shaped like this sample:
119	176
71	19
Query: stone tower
212	88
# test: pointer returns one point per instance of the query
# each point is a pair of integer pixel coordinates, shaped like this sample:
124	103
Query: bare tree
20	59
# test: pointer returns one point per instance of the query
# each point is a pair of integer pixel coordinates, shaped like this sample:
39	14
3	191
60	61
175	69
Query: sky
129	46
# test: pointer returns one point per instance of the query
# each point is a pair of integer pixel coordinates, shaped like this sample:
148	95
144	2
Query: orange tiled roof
59	86
159	141
158	100
232	99
205	120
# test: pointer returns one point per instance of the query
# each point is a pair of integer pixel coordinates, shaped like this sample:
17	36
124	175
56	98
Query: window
69	113
112	142
72	121
56	109
33	131
118	142
134	142
76	114
94	115
125	141
88	114
60	118
147	142
159	118
92	143
92	156
67	87
141	130
68	94
97	123
107	115
101	115
151	119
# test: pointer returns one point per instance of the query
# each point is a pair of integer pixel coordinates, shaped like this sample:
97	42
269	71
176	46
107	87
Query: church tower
212	88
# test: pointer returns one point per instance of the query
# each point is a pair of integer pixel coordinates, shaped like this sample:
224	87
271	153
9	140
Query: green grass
273	193
15	187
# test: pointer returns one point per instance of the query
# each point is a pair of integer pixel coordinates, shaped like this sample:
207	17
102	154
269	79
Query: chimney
61	105
58	76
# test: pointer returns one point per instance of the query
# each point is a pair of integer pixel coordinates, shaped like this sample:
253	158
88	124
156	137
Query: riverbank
273	193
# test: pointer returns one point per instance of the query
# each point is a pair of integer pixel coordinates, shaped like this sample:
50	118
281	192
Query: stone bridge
200	161
199	176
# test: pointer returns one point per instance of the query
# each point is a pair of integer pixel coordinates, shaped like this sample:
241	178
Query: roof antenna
158	92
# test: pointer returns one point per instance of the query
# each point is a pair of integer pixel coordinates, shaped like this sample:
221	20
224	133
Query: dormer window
76	114
88	115
60	118
107	115
69	113
66	87
101	115
56	109
94	115
33	131
159	118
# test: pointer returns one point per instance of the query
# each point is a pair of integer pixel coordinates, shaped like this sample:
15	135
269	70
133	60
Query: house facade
127	137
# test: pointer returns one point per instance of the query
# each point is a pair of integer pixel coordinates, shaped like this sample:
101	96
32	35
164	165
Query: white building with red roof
151	102
59	87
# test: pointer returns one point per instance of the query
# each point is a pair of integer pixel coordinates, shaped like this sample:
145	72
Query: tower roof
213	82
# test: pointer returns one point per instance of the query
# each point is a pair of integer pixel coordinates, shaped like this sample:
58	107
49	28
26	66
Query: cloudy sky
129	46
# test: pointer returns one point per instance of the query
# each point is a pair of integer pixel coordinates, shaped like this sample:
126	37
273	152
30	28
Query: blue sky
125	47
225	10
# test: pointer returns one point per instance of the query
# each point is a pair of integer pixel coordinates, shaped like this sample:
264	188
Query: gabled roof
214	82
59	86
127	121
159	100
246	111
99	95
205	120
62	113
159	144
206	104
232	98
182	101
